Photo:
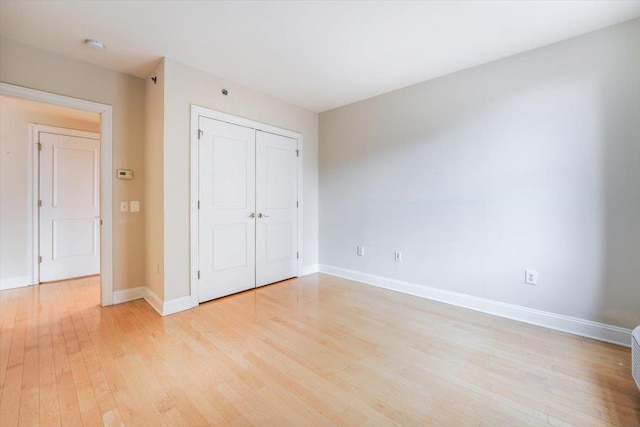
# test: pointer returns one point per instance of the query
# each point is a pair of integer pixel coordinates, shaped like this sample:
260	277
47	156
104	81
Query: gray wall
532	161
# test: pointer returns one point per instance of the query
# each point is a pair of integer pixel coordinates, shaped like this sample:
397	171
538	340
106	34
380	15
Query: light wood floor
312	351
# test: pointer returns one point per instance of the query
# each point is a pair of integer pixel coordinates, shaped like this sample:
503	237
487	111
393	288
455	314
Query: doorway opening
73	156
61	219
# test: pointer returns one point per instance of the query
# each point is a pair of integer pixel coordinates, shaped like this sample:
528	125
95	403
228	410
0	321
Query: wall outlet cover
531	277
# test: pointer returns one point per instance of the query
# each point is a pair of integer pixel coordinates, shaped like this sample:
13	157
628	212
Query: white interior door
69	180
226	217
276	208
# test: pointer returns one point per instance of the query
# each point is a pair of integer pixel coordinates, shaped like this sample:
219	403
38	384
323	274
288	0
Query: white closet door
226	228
276	207
70	213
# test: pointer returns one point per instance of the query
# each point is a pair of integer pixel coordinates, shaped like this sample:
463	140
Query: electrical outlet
397	256
360	251
135	206
531	277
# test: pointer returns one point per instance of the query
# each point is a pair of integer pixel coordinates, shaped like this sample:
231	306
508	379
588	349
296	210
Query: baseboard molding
167	307
154	301
308	269
572	325
15	282
126	295
176	305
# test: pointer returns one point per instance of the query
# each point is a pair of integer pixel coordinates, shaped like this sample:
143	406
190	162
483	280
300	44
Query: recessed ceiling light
94	44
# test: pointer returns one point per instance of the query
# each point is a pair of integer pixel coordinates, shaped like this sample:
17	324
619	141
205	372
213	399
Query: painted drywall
16	227
153	181
530	162
185	86
30	67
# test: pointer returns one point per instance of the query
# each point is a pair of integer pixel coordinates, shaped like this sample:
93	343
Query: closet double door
247	216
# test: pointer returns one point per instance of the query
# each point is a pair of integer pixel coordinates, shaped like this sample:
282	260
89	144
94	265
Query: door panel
74	176
229	246
74	237
69	178
276	205
226	240
229	160
278	241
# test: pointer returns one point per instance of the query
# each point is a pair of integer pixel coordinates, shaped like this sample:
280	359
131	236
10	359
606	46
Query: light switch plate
135	206
124	206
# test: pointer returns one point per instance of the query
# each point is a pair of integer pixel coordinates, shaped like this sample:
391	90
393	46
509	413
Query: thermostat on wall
125	174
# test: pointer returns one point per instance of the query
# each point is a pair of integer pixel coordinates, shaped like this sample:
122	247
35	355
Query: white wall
16	227
30	67
184	86
532	161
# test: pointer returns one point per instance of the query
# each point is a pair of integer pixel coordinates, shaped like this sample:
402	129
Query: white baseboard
167	307
177	304
15	282
573	325
308	269
154	301
126	295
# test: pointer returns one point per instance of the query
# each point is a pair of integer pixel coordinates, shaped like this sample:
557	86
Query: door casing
196	112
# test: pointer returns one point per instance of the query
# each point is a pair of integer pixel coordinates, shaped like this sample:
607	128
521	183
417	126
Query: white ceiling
319	54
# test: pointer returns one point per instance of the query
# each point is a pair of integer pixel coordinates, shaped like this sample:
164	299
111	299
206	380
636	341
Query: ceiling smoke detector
94	44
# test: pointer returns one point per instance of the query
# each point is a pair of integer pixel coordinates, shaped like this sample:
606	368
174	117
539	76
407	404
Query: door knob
262	215
252	215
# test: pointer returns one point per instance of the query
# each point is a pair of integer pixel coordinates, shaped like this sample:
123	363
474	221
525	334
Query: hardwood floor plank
30	393
314	351
10	400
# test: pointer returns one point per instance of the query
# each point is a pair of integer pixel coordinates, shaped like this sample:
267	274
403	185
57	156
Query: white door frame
196	112
34	131
106	183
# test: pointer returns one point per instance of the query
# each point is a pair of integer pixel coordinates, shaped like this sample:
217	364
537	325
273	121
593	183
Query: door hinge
198	204
39	203
297	153
40	259
200	133
297	204
198	274
39	146
100	222
297	255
